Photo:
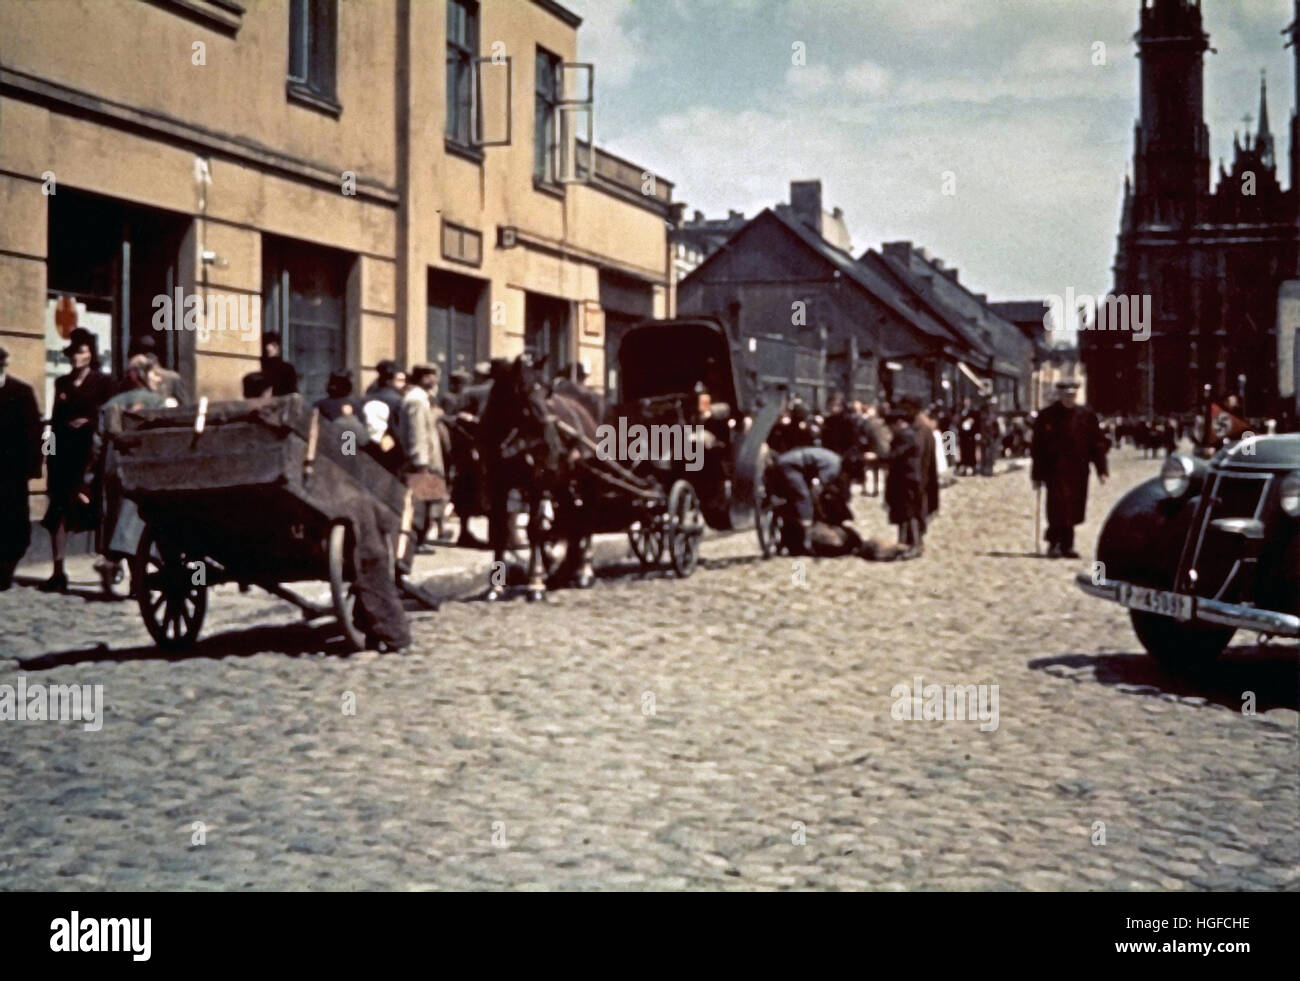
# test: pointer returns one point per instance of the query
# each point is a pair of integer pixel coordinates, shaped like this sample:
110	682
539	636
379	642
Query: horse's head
516	419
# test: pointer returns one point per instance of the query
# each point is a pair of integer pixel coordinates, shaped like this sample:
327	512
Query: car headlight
1176	475
1290	494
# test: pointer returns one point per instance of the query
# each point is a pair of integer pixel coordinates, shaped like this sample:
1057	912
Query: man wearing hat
338	399
1067	438
20	461
387	389
276	376
172	388
905	481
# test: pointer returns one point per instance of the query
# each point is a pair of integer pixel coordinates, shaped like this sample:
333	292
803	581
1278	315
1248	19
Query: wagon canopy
664	357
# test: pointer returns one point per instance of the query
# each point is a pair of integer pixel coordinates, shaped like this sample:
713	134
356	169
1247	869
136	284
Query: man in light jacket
423	443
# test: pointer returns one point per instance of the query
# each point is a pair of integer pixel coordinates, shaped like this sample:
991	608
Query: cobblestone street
730	731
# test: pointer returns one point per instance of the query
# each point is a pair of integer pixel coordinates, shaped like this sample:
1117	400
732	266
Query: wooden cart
262	492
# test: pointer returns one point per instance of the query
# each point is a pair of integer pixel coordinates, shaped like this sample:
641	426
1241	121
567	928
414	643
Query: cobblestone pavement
650	733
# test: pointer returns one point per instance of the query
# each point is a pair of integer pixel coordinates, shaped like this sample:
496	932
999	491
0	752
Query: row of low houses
412	179
886	324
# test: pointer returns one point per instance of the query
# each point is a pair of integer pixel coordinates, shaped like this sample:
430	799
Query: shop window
304	296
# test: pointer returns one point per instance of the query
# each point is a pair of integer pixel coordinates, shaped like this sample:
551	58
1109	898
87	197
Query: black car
1207	549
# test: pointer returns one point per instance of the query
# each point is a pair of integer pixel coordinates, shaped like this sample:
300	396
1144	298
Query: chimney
699	216
899	251
806	203
735	216
951	274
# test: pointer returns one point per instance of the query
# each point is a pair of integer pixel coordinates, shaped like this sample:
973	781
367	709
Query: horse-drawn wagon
682	376
261	492
674	454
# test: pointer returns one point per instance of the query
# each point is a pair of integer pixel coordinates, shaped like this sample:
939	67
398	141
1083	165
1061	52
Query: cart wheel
768	526
647	541
342	589
685	526
767	520
171	603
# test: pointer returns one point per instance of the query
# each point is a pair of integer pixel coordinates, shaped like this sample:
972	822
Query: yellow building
408	179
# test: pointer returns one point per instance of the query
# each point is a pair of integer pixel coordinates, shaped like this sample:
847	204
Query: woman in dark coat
73	424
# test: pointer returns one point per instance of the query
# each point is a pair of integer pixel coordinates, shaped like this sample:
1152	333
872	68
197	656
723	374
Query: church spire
1264	138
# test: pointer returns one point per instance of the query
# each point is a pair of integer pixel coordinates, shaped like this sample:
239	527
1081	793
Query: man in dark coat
20	461
905	482
1067	438
925	429
277	376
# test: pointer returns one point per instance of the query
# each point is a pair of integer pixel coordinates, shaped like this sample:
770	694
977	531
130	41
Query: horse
524	450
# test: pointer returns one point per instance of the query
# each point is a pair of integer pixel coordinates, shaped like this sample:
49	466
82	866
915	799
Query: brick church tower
1211	260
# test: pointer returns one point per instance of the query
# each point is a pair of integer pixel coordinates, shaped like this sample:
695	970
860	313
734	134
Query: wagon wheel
766	521
768	526
343	591
171	603
647	541
685	526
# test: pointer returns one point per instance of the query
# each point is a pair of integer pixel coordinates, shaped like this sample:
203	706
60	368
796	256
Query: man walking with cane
1067	438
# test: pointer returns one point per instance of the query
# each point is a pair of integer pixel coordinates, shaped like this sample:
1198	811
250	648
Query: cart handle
313	441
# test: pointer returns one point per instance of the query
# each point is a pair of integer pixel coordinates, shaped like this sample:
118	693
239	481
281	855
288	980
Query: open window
493	77
575	123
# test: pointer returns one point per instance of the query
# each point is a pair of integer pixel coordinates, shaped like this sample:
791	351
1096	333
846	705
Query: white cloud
605	39
808	79
867	78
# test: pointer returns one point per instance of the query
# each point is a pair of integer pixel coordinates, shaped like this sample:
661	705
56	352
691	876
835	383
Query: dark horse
524	450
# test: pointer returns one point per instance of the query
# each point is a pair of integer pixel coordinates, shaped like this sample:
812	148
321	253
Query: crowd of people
400	420
71	453
425	434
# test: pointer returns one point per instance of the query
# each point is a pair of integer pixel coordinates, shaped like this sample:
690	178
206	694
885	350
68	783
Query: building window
462	48
544	122
313	44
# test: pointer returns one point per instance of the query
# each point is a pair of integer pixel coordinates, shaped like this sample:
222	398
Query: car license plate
1176	605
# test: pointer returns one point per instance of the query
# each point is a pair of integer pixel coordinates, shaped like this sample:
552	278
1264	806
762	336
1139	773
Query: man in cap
1067	438
20	461
172	387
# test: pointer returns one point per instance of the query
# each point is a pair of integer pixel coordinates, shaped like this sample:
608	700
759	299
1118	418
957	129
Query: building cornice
563	13
157	125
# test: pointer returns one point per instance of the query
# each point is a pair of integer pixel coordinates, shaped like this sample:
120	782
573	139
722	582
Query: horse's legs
586	573
536	542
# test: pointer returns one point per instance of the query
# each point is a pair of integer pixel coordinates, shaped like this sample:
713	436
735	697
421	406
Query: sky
1002	97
